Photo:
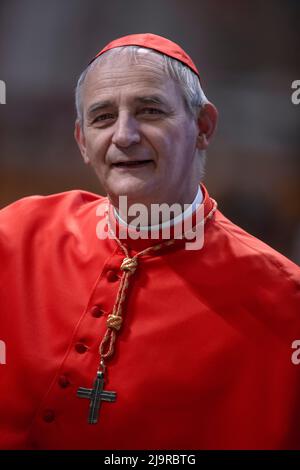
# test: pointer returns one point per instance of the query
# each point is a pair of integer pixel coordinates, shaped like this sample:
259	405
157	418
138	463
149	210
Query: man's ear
80	139
207	122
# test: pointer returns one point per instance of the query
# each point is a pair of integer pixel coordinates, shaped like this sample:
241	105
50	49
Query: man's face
137	134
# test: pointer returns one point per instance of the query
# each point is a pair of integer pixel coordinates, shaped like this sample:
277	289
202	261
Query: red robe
203	360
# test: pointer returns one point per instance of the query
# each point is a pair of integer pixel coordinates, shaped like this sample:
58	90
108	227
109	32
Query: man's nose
126	131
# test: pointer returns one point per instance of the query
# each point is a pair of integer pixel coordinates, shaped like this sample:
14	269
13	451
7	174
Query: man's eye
104	117
151	111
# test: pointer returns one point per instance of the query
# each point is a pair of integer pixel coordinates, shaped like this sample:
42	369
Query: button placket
100	305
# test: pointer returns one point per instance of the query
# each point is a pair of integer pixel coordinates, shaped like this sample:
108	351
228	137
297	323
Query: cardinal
124	332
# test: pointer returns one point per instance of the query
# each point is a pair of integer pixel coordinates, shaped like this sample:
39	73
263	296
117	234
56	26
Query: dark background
248	56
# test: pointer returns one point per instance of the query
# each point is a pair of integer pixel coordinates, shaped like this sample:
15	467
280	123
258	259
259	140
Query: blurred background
248	56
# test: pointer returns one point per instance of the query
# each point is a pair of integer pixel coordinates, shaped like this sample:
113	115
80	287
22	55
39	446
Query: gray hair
189	82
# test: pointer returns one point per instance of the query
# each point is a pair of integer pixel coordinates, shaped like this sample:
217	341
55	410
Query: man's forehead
123	60
147	72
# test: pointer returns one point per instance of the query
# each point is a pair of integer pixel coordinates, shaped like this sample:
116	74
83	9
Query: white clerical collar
169	223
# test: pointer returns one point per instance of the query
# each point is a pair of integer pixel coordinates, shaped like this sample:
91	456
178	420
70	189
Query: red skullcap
152	41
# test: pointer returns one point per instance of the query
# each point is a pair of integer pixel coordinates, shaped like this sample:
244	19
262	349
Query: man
117	340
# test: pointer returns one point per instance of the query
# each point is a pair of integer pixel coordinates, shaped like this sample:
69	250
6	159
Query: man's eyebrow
153	99
98	106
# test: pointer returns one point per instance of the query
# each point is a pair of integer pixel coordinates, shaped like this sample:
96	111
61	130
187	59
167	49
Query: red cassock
203	359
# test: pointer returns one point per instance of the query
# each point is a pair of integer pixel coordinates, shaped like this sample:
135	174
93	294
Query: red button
48	416
63	381
112	276
81	348
96	311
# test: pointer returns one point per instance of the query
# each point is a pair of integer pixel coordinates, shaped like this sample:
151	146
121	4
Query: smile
132	164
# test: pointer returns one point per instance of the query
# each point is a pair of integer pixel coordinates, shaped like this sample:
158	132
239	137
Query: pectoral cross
95	395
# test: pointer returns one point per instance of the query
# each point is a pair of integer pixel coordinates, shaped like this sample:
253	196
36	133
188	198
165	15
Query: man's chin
132	194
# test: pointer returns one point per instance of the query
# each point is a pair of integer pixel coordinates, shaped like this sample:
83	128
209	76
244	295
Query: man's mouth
132	164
